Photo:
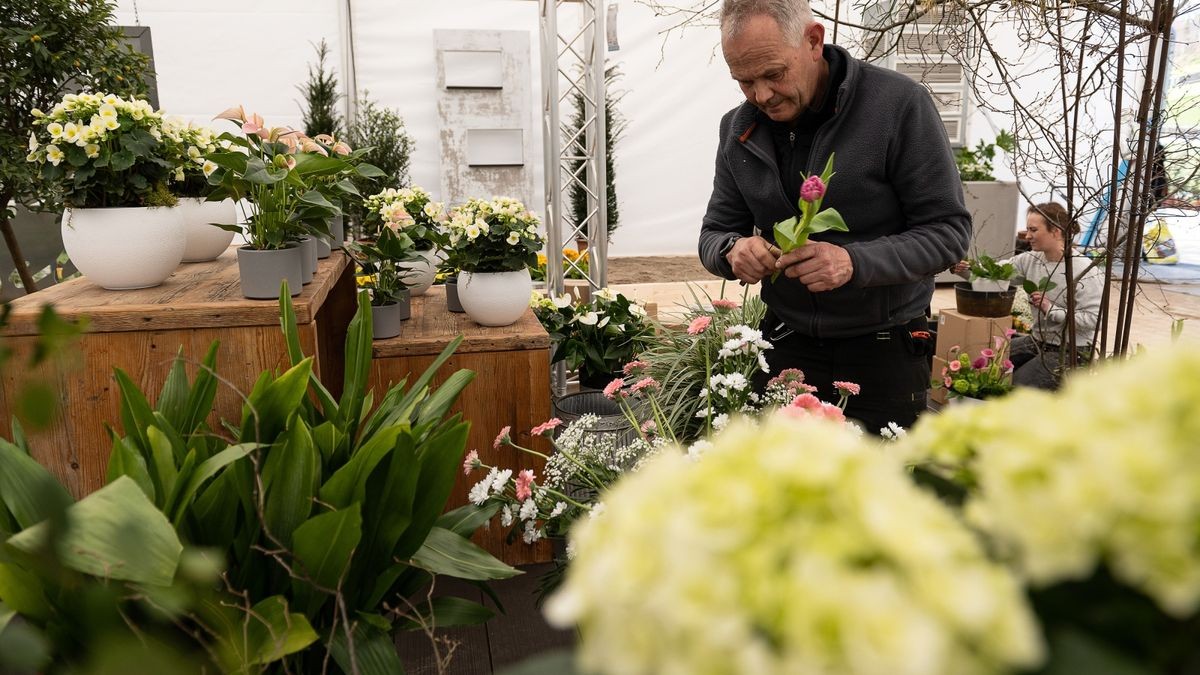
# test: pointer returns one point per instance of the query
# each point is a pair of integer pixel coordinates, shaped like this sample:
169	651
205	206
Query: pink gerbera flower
471	462
722	303
649	427
806	401
634	368
644	383
698	325
524	485
847	388
613	390
503	437
544	428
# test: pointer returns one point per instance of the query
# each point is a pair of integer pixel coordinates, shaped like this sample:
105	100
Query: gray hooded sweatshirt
895	184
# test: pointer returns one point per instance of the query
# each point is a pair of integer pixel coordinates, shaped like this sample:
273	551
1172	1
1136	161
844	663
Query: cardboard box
938	394
969	333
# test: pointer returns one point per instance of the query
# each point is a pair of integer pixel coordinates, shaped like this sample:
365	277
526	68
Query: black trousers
891	367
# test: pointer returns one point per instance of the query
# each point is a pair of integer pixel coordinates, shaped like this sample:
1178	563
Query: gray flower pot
323	248
385	321
452	302
337	232
405	303
262	272
308	258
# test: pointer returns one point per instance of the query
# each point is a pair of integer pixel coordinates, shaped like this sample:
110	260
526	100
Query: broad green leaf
418	389
374	651
447	553
113	533
323	546
215	511
435	407
327	437
369	171
829	219
203	392
27	489
291	334
182	501
36	404
349	483
441	458
290	477
125	460
785	234
388	513
6	615
22	592
1029	286
174	394
269	407
358	366
136	415
464	520
272	632
162	464
382	584
449	611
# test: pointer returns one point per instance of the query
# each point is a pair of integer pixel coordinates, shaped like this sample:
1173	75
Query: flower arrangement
793	233
986	376
189	146
789	547
384	256
273	168
412	210
500	235
101	150
1094	500
595	337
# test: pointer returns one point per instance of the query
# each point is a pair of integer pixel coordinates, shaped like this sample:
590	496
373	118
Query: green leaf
272	633
27	489
174	394
447	553
291	334
122	160
290	477
182	501
323	546
349	484
369	171
21	591
785	234
829	219
436	406
203	392
113	533
448	611
389	515
136	414
36	404
270	406
162	465
125	460
1029	286
440	457
374	651
464	520
358	365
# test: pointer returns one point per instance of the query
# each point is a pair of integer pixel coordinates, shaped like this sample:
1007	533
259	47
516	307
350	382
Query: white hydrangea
791	547
1110	473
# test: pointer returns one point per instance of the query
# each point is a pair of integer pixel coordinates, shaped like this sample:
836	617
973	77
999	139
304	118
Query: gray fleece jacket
895	184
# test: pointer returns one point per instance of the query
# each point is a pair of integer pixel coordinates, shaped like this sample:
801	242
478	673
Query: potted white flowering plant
205	222
595	337
106	156
495	243
413	211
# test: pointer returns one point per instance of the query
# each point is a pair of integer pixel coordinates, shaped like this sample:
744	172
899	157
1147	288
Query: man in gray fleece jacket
848	305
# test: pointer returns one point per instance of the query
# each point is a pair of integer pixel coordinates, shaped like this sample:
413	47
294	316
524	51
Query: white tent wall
217	53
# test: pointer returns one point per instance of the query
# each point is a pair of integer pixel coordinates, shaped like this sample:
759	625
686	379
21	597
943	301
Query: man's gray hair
793	17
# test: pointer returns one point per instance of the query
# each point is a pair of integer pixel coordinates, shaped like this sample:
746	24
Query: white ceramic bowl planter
206	241
125	248
418	275
990	285
495	298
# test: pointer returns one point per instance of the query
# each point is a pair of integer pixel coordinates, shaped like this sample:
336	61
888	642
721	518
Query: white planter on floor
495	298
418	275
125	248
206	241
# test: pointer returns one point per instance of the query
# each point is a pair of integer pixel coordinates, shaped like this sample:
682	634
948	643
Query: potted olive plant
382	261
105	155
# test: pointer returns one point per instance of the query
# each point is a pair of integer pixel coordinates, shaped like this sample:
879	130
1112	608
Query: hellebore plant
793	233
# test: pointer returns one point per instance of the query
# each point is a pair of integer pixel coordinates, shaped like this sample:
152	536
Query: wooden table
141	331
511	388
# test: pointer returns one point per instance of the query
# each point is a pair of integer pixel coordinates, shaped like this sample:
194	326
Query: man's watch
728	246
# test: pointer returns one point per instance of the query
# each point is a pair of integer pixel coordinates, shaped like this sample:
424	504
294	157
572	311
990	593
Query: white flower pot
206	241
495	298
989	285
420	273
125	248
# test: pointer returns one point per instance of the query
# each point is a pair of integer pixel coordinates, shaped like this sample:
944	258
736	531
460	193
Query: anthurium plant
384	256
793	233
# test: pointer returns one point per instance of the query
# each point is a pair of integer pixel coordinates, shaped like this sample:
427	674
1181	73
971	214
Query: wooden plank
512	388
432	326
197	295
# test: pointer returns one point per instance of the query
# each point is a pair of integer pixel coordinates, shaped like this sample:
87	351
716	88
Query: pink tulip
812	189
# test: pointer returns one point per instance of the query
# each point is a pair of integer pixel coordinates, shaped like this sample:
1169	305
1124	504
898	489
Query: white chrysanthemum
794	547
1112	476
500	480
506	515
529	510
479	492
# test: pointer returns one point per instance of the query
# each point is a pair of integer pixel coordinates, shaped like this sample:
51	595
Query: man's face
779	78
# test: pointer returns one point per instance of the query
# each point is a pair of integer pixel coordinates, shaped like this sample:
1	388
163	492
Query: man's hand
819	265
752	259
